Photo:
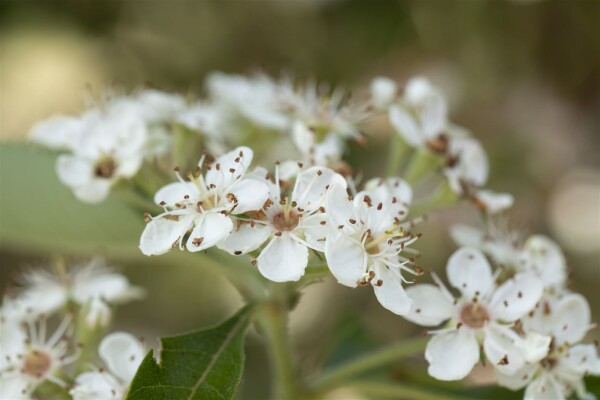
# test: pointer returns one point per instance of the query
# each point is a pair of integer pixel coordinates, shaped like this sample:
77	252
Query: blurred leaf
203	365
38	214
350	340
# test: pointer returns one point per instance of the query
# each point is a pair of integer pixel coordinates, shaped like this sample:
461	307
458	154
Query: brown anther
278	233
197	241
319	173
352	221
379	206
322	209
187	196
232	170
237	252
340	226
253	261
162	203
323	222
394	200
379	283
300	165
218	166
176	169
504	360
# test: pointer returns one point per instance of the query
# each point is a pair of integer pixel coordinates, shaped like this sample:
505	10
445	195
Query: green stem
399	391
272	319
398	148
421	164
442	198
368	362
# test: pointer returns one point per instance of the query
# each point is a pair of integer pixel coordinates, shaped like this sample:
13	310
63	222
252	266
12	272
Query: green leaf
39	215
203	365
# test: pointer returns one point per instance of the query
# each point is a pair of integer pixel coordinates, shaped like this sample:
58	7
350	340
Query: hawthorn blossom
122	354
560	373
538	254
108	143
256	99
383	92
44	292
467	172
367	237
484	312
30	358
204	205
291	223
421	116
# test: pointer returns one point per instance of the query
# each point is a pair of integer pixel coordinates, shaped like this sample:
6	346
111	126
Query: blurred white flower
29	358
291	224
421	118
366	239
122	354
109	143
560	373
44	292
204	204
484	309
538	254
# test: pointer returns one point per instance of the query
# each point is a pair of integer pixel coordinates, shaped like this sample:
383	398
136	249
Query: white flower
292	224
208	120
560	373
383	92
467	171
29	358
421	119
122	353
483	309
256	99
204	204
367	237
539	254
44	292
109	143
97	313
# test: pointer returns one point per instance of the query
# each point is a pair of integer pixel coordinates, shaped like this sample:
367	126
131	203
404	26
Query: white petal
346	258
406	126
543	388
570	319
469	271
501	351
74	171
251	194
582	359
16	387
534	346
311	186
57	132
390	293
245	238
161	233
386	189
519	379
340	209
453	355
495	202
464	235
45	299
112	287
222	177
432	114
96	386
545	257
93	191
283	260
383	91
13	340
303	138
122	353
472	165
175	192
516	297
212	229
431	307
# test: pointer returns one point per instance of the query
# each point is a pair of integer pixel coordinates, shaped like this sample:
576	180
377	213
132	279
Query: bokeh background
524	76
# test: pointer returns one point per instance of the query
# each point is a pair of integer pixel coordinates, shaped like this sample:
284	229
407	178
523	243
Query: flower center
105	168
37	364
474	315
549	363
286	221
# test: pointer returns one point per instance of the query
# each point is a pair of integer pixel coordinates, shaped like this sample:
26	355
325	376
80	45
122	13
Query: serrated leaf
203	365
39	215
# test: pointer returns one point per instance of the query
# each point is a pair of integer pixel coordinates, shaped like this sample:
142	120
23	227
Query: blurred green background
524	76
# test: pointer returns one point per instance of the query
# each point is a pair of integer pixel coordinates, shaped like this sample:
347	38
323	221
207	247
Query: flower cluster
520	318
364	238
510	307
420	116
77	305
